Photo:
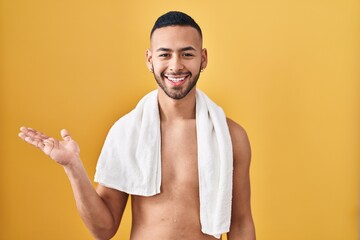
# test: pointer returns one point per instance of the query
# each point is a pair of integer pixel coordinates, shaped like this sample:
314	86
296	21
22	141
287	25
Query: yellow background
288	71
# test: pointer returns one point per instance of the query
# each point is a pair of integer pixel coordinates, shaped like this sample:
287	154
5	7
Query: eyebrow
181	50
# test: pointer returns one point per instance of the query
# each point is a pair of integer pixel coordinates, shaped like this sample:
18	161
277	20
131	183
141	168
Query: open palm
62	152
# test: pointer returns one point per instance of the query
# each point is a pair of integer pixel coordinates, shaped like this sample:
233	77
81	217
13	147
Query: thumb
65	135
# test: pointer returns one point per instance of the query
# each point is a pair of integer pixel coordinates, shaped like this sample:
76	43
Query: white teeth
175	79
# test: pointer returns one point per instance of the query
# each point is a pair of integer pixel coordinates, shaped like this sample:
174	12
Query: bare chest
175	212
179	156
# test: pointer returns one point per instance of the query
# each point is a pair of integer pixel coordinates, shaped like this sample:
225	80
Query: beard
177	92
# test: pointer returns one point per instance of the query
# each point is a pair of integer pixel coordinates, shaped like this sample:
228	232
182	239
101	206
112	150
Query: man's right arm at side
100	209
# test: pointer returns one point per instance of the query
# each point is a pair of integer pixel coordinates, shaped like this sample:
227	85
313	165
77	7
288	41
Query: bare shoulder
240	142
237	132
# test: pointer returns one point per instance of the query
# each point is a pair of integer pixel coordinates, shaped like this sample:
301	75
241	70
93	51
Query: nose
176	64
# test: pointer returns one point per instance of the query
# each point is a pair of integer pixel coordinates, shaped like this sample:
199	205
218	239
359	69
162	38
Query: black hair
175	18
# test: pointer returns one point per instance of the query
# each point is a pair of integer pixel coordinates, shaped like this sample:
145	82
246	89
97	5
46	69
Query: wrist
73	166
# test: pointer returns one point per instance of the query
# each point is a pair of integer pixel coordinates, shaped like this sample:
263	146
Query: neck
174	110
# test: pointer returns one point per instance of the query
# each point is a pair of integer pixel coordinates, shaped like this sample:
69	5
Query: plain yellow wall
288	71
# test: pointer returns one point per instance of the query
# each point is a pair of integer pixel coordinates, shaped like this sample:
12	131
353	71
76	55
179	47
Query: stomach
168	215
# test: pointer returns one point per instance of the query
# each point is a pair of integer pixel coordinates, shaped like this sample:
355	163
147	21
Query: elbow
103	231
103	234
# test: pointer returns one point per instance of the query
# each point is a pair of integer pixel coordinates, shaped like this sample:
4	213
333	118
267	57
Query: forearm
92	209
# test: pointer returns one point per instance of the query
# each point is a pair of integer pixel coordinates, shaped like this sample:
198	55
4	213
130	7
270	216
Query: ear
148	56
204	58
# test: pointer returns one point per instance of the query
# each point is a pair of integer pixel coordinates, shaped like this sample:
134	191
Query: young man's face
176	58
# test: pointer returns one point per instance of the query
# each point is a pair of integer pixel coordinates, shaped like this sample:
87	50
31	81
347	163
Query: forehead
176	37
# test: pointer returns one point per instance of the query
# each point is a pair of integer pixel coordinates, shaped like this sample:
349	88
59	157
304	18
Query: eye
188	55
164	55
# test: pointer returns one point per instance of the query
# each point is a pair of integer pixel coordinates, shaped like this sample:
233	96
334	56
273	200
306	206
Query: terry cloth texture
130	160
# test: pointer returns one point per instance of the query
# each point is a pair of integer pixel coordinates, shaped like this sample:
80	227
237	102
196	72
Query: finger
35	142
24	131
65	135
32	133
22	136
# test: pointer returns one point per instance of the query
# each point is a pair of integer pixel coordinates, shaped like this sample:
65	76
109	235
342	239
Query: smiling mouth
175	79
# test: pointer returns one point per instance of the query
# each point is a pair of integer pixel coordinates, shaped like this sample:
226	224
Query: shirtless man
175	52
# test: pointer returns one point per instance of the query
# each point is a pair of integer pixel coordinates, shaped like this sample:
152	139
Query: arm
100	210
242	225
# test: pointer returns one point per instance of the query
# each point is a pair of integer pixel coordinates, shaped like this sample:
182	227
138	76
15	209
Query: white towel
130	160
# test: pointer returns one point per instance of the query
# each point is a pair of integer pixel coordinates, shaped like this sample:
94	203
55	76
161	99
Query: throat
172	110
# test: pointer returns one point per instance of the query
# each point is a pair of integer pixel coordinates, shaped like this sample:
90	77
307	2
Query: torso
175	212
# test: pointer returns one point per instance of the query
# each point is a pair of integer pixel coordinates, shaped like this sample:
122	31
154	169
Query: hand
63	152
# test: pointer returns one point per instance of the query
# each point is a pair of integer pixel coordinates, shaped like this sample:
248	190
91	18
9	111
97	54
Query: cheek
159	70
196	63
159	66
195	67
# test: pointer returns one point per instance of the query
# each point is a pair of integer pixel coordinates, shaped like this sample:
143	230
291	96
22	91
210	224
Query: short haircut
175	18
